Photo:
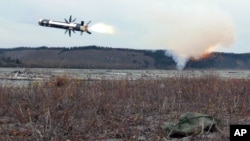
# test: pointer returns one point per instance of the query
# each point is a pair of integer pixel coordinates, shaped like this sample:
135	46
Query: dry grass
64	108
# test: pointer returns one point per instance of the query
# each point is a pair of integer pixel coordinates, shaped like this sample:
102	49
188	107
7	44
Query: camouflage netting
190	124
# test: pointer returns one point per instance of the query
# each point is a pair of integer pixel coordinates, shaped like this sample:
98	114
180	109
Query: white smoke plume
202	33
194	30
188	28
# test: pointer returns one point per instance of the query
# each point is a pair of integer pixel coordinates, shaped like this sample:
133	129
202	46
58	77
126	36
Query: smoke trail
180	60
102	28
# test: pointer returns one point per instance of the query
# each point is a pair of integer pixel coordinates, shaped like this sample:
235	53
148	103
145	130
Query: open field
22	76
57	106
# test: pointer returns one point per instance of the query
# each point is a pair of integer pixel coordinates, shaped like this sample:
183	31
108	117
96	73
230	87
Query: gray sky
140	24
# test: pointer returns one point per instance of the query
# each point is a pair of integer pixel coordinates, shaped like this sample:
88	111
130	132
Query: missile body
68	25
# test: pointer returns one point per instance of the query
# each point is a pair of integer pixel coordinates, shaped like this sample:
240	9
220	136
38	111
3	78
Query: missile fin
66	20
69	33
70	18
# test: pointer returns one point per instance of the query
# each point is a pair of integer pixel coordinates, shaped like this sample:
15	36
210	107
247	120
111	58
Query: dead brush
60	81
65	108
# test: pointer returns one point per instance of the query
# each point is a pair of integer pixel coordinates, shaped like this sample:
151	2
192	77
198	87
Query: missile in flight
69	25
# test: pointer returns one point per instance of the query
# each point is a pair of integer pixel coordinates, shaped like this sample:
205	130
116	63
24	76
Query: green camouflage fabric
190	124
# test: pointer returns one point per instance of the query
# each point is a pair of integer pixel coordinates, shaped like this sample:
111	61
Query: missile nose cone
40	21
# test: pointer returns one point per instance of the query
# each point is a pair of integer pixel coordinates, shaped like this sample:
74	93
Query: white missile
69	25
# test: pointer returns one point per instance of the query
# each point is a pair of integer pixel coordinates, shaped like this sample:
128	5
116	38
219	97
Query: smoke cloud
186	29
192	31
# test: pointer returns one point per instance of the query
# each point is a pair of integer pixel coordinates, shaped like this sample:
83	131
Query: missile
68	25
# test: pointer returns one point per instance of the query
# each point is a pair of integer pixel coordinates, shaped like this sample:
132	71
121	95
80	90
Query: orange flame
205	54
208	52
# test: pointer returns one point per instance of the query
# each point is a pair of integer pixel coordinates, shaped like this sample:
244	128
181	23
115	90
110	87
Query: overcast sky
140	24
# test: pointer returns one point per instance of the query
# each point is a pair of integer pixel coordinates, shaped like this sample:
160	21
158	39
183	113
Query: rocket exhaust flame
102	28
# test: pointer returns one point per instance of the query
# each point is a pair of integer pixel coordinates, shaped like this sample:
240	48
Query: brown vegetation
64	108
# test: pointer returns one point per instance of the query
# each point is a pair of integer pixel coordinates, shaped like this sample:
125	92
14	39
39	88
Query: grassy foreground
68	109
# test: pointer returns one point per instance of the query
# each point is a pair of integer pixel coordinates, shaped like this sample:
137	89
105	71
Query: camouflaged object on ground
190	124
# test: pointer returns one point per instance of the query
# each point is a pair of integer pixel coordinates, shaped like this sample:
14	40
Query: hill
222	61
93	57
